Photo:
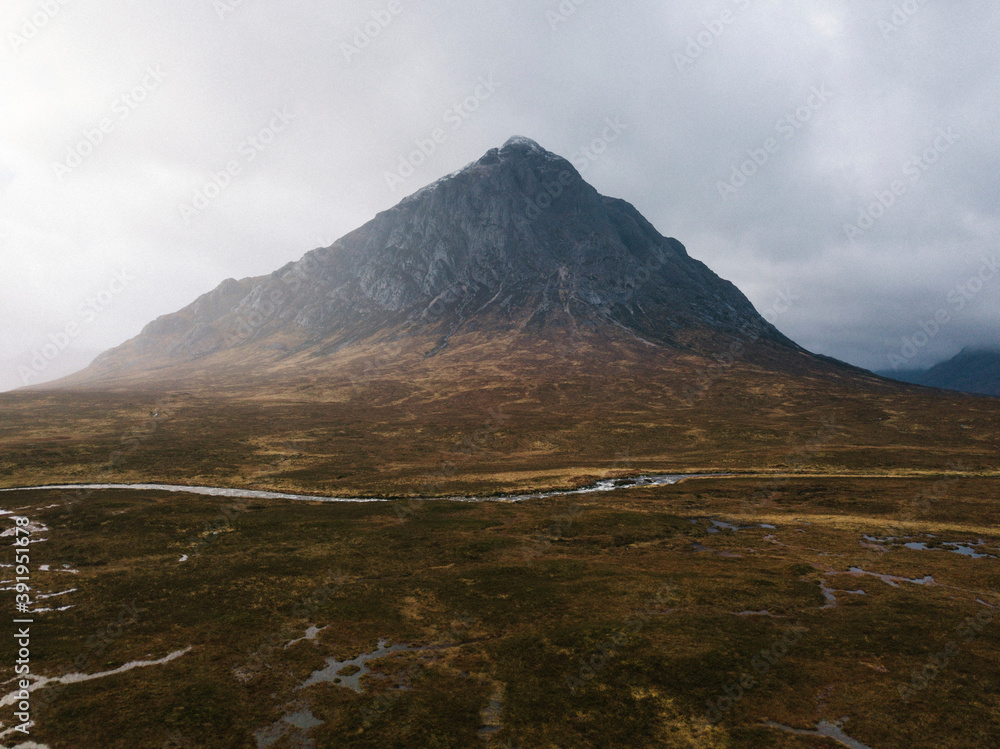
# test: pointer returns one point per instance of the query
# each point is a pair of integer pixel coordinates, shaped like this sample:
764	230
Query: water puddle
299	722
966	550
973	550
877	540
348	673
7	732
40	682
33	527
25	744
717	526
893	580
43	596
489	716
311	634
61	608
828	594
825	729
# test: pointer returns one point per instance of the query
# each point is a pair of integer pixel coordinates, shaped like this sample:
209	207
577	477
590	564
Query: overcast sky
150	150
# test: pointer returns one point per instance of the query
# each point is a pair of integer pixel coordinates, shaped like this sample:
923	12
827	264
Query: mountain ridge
515	240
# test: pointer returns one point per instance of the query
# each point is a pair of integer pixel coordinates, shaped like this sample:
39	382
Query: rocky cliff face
515	239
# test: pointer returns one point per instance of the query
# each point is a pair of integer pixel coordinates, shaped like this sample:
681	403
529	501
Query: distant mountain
972	370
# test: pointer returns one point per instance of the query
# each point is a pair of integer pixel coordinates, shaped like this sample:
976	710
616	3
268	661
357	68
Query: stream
605	485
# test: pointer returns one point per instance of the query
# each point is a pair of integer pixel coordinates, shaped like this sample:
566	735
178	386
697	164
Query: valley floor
736	612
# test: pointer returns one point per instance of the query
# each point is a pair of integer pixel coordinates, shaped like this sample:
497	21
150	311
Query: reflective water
893	580
605	485
826	729
332	673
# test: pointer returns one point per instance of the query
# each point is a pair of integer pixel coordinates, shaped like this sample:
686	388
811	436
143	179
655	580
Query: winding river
605	485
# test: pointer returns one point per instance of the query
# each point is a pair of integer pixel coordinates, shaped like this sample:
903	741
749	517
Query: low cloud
178	90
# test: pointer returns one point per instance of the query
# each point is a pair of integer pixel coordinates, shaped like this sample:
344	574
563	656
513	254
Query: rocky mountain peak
517	239
522	144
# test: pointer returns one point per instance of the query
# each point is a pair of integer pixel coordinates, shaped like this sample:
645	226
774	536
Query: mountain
972	370
912	376
514	241
505	328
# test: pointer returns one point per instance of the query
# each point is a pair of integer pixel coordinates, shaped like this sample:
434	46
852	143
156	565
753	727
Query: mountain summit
514	241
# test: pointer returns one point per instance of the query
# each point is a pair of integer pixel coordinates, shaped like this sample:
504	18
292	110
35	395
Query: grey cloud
360	114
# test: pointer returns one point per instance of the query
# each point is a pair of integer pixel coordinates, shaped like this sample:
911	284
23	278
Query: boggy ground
606	620
490	415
